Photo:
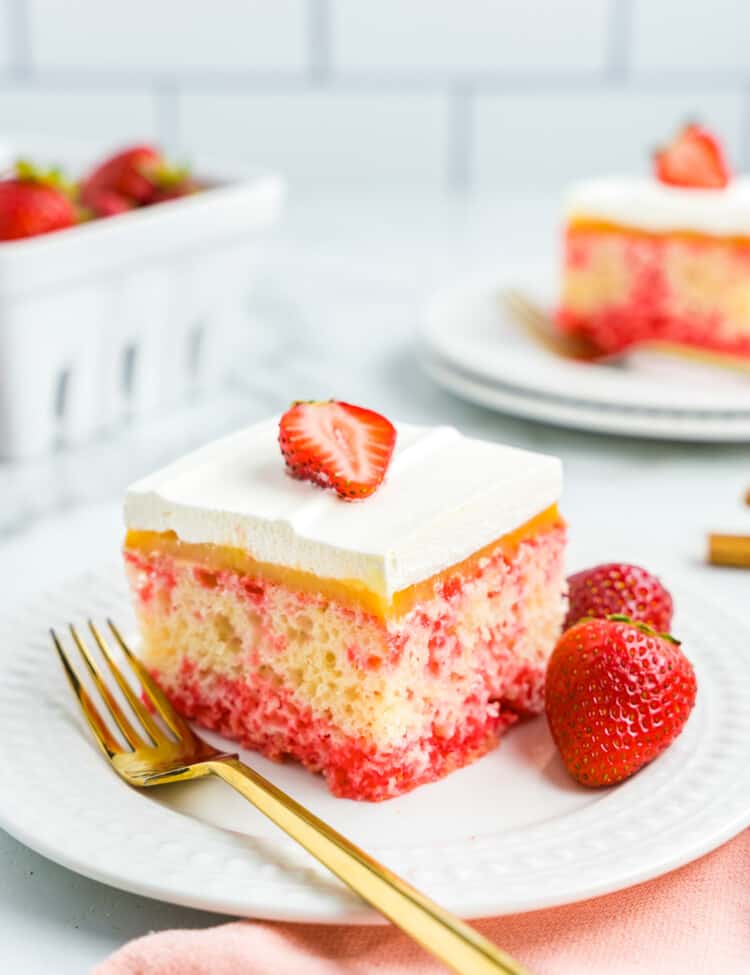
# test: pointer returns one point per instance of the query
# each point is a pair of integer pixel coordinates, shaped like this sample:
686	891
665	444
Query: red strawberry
617	587
337	445
694	158
34	202
107	203
617	694
129	174
134	177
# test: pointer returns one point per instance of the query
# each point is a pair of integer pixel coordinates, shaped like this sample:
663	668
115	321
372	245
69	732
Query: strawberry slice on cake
337	445
694	159
383	615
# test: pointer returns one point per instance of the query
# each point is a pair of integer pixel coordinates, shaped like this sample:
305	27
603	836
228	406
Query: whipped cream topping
651	205
444	497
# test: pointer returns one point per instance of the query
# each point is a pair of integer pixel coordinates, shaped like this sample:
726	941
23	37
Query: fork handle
455	943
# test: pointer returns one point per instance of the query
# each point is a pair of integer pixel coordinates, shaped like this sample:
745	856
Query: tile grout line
167	111
319	39
19	39
265	82
744	159
619	40
459	175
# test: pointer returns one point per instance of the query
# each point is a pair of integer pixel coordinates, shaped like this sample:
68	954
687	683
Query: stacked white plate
473	347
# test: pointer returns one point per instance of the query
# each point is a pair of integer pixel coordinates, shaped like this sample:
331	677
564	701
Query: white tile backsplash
7	40
325	138
170	36
96	116
543	141
471	38
360	93
697	37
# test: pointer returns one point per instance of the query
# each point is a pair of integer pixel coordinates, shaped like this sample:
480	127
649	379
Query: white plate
655	425
510	833
466	332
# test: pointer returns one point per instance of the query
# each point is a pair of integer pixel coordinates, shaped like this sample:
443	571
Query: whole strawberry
34	202
125	176
106	203
133	177
617	587
337	445
617	694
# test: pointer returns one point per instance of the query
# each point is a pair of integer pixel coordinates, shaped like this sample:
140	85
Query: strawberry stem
29	172
165	174
643	627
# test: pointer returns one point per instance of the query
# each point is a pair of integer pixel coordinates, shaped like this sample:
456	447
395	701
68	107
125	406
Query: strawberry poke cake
377	602
663	260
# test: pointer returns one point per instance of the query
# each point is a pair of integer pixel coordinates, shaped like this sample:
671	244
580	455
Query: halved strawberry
694	159
337	445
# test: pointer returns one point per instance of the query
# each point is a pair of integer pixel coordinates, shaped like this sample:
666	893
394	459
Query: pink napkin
696	919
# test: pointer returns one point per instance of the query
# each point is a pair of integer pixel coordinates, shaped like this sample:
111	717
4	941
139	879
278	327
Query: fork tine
532	319
527	309
157	697
517	307
540	327
131	735
514	296
154	731
105	739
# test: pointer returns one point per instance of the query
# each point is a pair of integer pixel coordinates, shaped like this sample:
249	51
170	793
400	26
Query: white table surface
336	313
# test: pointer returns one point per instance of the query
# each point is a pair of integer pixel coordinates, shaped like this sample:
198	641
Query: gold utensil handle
731	550
457	944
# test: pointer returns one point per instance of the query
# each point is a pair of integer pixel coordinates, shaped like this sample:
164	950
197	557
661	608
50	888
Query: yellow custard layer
583	224
348	591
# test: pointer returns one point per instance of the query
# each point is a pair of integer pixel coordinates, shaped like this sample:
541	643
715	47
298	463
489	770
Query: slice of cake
383	642
663	260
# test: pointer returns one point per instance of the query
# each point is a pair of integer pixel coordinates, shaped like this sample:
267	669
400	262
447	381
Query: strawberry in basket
133	177
34	201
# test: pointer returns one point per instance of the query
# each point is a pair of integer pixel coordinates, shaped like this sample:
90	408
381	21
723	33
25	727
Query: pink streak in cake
622	288
377	705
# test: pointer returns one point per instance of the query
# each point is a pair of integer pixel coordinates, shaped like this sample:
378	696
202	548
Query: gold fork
539	326
158	755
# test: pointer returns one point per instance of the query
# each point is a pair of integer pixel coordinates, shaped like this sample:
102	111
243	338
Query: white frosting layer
651	205
445	496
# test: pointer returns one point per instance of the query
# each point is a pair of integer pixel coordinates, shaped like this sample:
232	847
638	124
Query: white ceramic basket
118	318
